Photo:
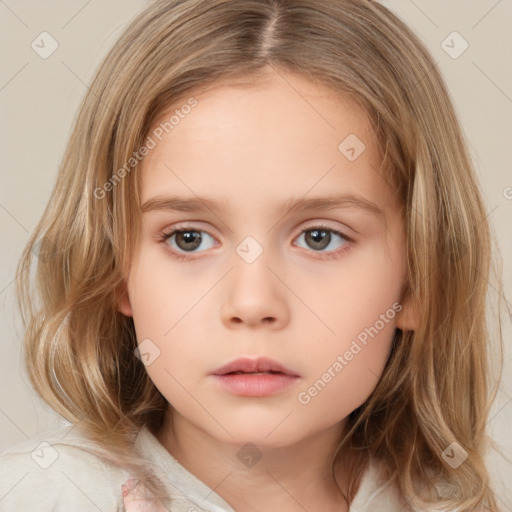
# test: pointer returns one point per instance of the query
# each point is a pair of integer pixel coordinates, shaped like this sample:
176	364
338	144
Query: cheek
345	301
346	370
167	306
160	295
340	340
352	343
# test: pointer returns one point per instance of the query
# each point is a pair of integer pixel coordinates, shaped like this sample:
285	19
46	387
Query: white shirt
57	471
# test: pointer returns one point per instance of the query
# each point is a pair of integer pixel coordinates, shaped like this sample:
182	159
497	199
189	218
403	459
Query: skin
252	148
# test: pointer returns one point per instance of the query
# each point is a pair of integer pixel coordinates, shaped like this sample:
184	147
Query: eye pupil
314	238
188	240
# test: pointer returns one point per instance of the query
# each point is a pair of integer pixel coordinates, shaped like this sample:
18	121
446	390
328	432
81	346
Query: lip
247	365
259	378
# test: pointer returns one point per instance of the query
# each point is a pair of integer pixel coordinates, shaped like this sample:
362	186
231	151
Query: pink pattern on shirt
134	498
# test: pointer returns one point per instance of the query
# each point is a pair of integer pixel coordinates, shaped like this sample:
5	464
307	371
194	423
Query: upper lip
247	365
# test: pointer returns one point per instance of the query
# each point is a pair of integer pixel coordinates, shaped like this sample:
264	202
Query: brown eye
188	240
319	238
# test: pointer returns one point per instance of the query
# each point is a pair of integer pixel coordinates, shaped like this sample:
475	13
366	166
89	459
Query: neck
290	478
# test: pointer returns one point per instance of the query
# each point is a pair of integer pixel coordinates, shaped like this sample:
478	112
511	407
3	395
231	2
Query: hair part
79	348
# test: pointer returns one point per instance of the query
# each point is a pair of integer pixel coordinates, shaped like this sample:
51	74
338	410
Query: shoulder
55	468
378	493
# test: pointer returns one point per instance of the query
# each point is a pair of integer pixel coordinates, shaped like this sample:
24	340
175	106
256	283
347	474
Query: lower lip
263	384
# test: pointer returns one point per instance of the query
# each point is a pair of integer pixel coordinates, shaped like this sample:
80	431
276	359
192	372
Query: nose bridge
252	277
255	294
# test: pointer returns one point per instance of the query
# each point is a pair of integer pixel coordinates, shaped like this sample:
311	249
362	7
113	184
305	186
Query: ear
123	300
408	317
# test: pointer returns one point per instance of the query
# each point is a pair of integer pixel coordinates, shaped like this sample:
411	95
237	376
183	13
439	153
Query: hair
437	385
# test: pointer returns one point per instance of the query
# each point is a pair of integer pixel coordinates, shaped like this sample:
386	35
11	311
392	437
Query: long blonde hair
79	349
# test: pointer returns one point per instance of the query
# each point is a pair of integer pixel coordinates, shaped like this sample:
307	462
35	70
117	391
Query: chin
264	432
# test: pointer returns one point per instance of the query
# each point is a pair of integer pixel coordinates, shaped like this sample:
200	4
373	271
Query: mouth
260	366
254	377
252	373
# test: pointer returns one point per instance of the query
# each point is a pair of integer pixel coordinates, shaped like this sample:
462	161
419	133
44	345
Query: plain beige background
39	99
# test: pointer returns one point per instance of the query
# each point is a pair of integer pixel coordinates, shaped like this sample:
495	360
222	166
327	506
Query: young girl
261	278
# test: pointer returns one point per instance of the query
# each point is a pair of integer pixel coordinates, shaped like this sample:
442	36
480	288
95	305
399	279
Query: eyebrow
198	204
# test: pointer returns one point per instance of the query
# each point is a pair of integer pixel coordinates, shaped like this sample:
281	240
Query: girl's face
291	247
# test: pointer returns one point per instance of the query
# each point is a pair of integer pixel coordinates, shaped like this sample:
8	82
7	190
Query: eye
319	238
187	240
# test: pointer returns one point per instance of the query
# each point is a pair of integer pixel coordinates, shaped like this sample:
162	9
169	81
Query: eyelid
165	234
321	224
196	226
186	226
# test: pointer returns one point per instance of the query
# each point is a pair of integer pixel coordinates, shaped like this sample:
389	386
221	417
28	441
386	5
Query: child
321	345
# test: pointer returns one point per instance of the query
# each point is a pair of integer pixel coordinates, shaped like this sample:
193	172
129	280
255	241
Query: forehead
266	96
281	135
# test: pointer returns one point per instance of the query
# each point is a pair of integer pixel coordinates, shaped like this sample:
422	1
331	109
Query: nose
255	296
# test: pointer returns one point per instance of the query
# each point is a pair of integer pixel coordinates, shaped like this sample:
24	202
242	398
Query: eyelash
166	234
